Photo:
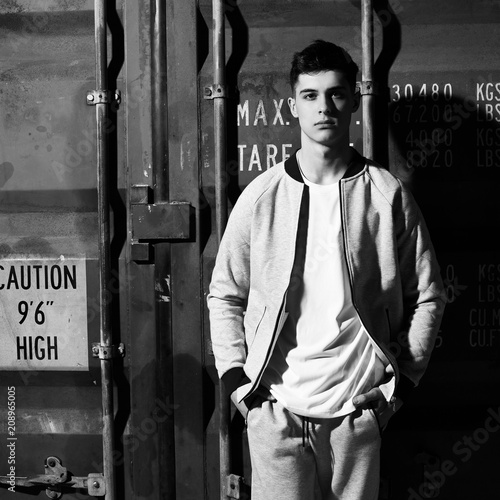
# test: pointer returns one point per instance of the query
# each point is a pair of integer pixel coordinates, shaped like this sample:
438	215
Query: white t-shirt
323	356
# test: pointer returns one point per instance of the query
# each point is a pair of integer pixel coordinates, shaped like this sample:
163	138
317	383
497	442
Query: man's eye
309	97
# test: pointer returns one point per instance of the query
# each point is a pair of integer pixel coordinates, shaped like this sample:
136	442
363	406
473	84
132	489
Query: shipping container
128	129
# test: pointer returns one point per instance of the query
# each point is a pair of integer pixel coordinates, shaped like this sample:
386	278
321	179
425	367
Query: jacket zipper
281	310
351	285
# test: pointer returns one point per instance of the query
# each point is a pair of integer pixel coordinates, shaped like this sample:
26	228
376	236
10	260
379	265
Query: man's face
323	103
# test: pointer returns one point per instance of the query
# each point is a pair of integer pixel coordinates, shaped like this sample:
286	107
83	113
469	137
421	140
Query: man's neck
323	165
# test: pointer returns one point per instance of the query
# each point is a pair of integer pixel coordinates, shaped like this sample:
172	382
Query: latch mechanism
153	222
56	479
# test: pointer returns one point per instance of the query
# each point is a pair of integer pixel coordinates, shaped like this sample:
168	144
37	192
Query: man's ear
356	101
293	108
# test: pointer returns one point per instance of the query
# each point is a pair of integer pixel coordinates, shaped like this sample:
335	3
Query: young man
325	270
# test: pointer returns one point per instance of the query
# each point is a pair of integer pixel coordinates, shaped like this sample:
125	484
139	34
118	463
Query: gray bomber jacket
393	271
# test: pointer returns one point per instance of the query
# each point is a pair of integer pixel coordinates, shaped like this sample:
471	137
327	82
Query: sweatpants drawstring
305	431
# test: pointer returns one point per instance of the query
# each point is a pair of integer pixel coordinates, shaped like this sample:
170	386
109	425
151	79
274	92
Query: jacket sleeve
424	297
228	294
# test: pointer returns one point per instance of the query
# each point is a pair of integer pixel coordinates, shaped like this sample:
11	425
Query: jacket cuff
405	387
234	378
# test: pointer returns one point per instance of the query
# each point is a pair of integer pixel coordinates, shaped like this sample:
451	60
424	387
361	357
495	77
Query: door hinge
57	479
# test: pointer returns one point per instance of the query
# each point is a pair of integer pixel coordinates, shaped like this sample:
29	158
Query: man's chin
328	138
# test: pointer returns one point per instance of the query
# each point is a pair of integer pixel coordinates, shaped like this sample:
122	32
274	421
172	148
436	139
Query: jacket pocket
372	410
252	324
387	317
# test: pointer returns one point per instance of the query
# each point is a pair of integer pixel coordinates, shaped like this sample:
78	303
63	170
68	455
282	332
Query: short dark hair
323	56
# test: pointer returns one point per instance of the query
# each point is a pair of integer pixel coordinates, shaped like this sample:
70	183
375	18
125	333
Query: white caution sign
43	315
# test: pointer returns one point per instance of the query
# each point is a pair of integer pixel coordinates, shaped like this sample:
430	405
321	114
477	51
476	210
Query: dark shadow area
205	220
209	376
187	368
446	150
34	491
237	429
203	38
445	153
203	50
164	369
391	45
443	149
239	51
119	237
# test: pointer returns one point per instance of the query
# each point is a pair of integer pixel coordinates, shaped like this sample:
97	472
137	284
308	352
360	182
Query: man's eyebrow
329	89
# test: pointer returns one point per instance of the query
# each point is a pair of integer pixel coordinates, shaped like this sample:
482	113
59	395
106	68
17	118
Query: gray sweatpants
301	458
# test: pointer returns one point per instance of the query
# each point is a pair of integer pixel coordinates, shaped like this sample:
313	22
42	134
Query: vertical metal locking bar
219	69
367	76
102	113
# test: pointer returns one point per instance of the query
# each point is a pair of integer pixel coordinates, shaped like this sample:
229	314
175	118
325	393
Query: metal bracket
103	97
57	478
367	87
161	221
96	485
215	91
233	484
154	222
107	352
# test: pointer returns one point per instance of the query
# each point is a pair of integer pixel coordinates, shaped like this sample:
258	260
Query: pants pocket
374	416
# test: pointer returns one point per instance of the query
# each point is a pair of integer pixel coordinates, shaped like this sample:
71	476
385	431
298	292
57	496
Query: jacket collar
355	166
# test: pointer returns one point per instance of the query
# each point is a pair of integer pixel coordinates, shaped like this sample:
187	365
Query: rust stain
11	7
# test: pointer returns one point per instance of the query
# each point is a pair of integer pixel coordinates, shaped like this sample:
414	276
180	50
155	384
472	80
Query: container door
50	383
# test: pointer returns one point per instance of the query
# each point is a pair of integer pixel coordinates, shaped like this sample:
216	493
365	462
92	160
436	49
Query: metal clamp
233	486
95	484
367	87
57	479
107	351
103	97
215	91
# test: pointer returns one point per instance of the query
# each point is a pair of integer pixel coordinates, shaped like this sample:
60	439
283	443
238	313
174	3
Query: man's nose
326	105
